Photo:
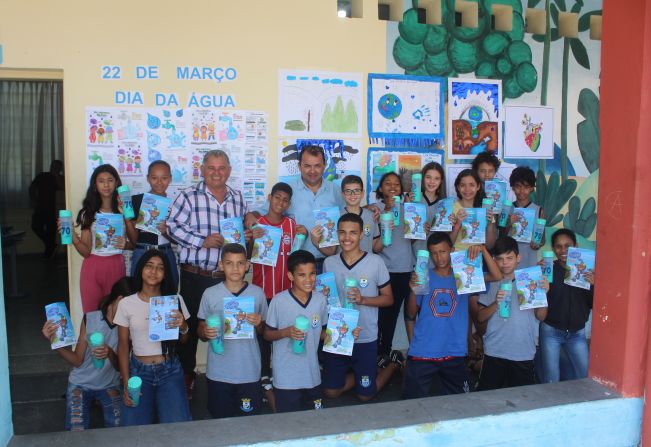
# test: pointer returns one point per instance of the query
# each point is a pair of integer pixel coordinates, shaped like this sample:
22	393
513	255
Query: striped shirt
196	214
274	280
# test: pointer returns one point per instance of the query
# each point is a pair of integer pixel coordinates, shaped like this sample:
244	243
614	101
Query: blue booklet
339	332
528	283
415	218
65	335
327	286
579	262
495	190
468	274
161	318
153	211
108	227
236	308
266	248
522	221
233	230
443	215
473	227
327	218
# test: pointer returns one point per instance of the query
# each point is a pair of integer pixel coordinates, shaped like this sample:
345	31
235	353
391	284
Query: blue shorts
364	365
234	399
450	377
297	400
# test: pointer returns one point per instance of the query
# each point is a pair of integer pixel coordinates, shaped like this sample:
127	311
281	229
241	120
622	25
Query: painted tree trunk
566	57
542	164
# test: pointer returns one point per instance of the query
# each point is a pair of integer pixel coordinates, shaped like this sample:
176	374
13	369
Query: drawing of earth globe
390	106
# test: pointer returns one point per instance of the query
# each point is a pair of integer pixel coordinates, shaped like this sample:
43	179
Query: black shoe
398	358
383	361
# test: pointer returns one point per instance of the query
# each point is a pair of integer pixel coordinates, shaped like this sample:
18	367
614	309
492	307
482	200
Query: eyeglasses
350	192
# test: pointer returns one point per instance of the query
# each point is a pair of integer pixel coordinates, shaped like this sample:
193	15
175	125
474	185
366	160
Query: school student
373	292
85	382
568	310
470	192
439	343
99	271
159	176
432	190
162	395
509	343
296	376
486	164
233	378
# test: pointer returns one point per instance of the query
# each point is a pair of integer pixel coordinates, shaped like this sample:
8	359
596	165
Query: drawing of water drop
179	113
153	122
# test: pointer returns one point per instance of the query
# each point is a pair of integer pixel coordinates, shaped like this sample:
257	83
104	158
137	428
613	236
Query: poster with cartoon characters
415	218
327	219
266	248
473	227
339	331
161	318
468	274
235	311
528	283
522	221
108	228
326	284
496	190
579	262
58	314
233	230
443	215
153	212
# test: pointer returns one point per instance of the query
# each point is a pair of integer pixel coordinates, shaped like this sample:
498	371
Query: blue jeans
162	393
575	345
78	403
171	257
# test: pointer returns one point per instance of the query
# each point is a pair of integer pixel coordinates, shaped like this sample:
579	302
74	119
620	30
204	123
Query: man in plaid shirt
194	223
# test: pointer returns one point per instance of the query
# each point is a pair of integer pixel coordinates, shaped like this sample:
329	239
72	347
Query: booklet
161	318
443	215
468	274
496	190
522	221
65	334
339	332
415	218
108	227
579	262
327	218
530	294
153	211
236	308
233	230
266	248
473	227
327	286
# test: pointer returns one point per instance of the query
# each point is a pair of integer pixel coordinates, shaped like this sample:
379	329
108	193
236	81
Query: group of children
441	323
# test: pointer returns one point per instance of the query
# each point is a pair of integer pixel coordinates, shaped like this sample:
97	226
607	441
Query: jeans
162	394
171	257
575	345
78	405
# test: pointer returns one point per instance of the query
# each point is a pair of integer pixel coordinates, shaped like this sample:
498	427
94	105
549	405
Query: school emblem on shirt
363	281
286	239
317	404
365	381
367	230
315	321
246	405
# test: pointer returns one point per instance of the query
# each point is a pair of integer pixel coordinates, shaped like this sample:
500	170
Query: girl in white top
156	363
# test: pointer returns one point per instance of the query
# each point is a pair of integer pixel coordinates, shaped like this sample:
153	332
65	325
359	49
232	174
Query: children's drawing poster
339	332
131	139
474	117
468	275
161	318
235	311
528	283
528	132
579	262
326	284
58	314
343	157
266	249
320	104
402	161
406	108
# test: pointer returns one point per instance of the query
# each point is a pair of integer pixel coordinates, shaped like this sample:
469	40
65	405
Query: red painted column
623	275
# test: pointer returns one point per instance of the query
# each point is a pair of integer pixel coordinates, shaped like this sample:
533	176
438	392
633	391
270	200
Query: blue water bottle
416	186
65	217
548	265
505	304
422	270
125	198
506	212
385	227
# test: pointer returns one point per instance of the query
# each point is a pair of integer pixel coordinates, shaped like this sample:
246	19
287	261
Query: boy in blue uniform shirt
439	344
373	292
296	377
234	387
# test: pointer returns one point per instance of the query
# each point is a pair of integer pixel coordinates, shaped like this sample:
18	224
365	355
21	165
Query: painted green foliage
339	119
588	131
447	50
552	196
581	220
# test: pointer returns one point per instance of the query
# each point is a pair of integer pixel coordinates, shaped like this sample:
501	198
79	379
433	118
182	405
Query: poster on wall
402	161
474	117
409	109
529	132
133	138
319	104
342	158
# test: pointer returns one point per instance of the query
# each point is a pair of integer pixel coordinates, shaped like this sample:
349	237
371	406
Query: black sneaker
398	358
383	361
